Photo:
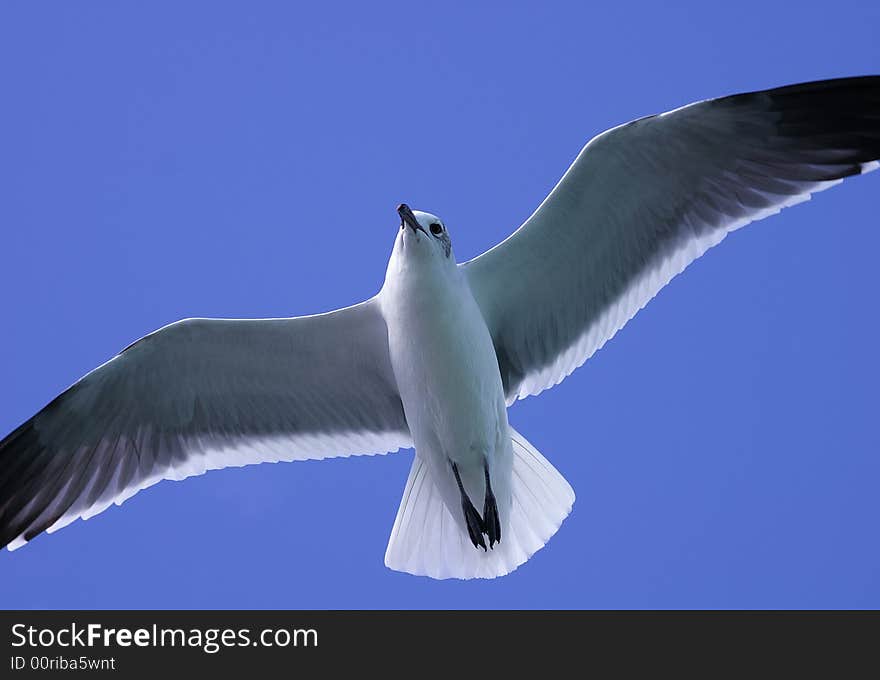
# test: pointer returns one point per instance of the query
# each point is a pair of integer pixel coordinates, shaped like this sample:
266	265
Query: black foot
471	516
474	523
491	523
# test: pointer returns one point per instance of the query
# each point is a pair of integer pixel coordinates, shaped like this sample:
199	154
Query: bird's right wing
644	200
197	395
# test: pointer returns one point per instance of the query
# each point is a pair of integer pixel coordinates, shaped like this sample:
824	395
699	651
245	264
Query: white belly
450	385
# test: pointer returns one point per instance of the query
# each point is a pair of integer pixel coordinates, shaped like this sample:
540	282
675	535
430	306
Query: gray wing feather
198	395
645	199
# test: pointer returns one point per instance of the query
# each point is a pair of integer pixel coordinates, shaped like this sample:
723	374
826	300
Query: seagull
436	357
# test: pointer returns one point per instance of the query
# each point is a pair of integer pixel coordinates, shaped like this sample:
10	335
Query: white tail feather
427	541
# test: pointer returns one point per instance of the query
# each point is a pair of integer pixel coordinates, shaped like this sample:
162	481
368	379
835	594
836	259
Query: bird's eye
436	228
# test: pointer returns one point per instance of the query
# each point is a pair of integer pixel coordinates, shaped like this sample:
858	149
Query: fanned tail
427	541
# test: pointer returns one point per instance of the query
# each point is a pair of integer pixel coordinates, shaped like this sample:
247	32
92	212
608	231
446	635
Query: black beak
407	218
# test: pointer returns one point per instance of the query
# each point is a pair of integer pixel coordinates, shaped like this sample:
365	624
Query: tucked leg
491	523
471	516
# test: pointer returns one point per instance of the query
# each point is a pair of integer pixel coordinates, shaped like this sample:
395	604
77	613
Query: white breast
447	373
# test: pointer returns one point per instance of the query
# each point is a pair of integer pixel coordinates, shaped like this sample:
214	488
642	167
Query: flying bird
436	357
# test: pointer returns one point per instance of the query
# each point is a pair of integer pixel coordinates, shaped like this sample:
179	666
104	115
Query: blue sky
166	160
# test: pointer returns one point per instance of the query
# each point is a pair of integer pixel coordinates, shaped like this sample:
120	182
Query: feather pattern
645	199
198	395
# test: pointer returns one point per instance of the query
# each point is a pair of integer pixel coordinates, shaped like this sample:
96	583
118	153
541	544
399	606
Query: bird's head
422	239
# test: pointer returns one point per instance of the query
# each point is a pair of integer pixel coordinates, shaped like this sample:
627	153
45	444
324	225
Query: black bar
423	643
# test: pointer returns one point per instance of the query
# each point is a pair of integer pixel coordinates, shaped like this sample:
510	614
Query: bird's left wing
643	200
198	395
